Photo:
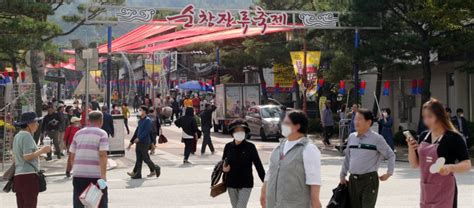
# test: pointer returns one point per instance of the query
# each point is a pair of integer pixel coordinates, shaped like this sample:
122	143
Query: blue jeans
80	184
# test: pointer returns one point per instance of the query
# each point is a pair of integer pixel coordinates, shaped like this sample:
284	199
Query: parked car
264	121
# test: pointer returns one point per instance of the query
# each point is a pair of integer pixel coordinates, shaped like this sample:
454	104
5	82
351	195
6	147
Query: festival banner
283	76
312	61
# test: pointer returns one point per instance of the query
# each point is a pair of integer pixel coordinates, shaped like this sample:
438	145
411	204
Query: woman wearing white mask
294	176
239	155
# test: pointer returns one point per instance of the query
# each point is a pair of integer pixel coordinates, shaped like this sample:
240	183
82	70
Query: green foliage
22	29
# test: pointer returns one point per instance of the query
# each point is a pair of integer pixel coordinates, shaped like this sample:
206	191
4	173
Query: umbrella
191	85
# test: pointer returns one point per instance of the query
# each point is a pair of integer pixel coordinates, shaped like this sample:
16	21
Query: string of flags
8	77
416	87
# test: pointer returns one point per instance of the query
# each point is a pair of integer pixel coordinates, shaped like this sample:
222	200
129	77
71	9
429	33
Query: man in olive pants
363	154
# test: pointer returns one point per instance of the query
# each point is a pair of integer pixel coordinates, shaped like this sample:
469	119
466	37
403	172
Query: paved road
188	186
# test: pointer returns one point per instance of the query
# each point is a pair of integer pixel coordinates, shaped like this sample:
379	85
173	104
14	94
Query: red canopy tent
138	34
69	64
191	32
221	35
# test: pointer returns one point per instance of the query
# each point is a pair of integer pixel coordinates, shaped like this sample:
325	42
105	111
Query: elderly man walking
89	155
365	149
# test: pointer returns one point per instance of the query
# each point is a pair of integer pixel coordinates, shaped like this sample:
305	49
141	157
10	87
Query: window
271	112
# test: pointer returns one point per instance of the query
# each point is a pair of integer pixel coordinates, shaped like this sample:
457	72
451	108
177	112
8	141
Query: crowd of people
294	165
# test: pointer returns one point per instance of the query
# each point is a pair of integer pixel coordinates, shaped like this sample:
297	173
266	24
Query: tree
433	26
28	27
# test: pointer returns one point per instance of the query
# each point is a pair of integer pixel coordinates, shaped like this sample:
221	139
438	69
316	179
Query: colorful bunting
363	85
277	88
414	87
23	76
320	84
420	86
386	88
342	87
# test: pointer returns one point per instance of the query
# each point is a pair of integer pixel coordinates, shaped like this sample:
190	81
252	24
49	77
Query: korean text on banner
312	61
283	76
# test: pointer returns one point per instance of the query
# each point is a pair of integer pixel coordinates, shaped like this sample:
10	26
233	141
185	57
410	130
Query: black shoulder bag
41	177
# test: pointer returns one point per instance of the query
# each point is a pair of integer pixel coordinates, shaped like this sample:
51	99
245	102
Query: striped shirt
86	146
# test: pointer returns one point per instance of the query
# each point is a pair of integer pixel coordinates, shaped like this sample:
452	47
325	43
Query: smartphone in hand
409	136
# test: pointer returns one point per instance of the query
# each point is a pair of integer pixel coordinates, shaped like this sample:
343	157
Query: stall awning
138	34
69	64
222	35
191	32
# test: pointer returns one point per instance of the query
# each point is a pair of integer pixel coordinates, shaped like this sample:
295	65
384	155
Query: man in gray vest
294	177
365	149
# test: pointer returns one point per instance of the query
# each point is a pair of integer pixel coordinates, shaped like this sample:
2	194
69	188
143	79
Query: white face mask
239	136
286	130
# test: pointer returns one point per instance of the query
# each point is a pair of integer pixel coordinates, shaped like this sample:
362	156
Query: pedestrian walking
143	142
50	128
190	132
136	103
365	150
386	122
115	97
69	134
294	176
176	109
196	103
115	110
168	100
126	115
439	153
158	102
155	129
198	122
328	123
239	156
108	122
206	125
187	103
26	155
95	104
76	109
147	101
88	152
461	124
353	112
342	112
62	128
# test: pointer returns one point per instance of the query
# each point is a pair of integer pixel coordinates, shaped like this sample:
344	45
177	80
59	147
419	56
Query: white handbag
91	196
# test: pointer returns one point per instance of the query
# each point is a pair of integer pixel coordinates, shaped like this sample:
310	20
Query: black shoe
68	174
59	156
49	158
136	177
158	171
131	174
